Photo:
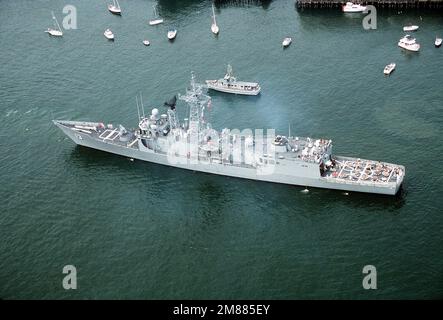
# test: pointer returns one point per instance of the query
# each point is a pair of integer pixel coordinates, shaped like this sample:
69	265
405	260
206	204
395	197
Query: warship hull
300	177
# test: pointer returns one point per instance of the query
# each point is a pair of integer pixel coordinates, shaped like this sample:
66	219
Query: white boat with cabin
353	7
172	33
389	68
286	42
409	43
108	34
146	42
229	84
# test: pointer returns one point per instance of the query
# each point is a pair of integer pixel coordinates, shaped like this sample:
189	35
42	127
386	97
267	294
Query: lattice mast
197	101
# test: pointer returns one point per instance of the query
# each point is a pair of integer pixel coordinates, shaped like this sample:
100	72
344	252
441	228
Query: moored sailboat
156	19
114	8
214	27
57	32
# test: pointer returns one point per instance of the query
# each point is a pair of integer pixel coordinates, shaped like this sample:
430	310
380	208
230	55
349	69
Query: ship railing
362	182
130	144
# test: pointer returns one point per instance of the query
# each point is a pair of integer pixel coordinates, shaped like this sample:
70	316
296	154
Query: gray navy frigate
194	145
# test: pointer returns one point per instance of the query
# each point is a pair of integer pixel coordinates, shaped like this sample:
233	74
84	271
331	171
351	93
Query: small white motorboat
146	42
57	32
214	27
229	84
353	7
410	28
389	68
156	19
108	34
172	33
286	42
114	8
438	42
409	43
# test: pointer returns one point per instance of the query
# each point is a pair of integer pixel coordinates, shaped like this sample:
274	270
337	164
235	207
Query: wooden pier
394	4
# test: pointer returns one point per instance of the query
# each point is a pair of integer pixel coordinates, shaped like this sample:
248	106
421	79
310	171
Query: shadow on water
232	99
241	3
215	190
86	158
172	6
212	197
409	55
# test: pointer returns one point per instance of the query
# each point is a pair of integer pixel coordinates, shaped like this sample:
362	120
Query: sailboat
114	8
55	32
214	26
410	27
156	20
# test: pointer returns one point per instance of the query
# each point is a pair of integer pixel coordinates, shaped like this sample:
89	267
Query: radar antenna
197	100
172	116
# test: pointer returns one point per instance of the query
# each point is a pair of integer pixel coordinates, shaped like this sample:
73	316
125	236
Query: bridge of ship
304	148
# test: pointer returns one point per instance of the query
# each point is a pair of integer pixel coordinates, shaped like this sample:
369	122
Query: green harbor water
144	231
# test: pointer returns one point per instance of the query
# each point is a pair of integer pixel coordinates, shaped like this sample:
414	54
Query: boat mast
118	4
172	116
155	10
138	109
213	15
229	75
196	100
56	22
141	102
